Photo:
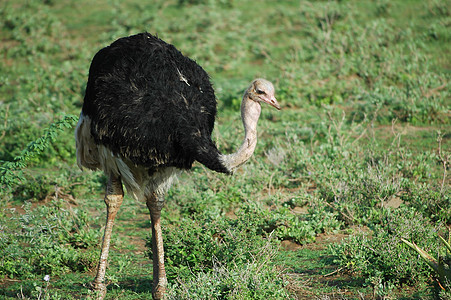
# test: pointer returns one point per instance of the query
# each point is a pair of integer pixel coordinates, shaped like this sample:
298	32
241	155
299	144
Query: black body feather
149	103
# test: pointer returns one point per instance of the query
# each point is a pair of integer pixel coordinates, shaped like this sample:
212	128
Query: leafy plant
10	170
198	242
220	258
47	240
441	266
381	257
257	279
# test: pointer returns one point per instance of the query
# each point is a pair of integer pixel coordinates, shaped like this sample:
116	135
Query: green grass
357	158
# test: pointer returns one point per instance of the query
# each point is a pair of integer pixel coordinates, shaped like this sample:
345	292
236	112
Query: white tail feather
135	178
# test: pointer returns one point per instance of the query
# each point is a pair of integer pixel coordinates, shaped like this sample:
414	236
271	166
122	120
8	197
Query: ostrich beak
271	100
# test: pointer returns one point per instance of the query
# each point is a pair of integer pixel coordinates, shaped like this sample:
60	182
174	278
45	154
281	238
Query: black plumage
152	105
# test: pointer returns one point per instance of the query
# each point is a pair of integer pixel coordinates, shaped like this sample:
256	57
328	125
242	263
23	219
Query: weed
49	237
8	178
441	266
381	258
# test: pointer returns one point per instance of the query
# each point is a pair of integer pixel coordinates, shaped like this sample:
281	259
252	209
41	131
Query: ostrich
148	113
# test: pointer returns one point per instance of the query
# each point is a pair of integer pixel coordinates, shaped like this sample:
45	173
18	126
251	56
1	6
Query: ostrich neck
250	113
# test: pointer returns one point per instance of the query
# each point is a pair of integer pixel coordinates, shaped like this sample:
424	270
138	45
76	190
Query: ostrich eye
260	92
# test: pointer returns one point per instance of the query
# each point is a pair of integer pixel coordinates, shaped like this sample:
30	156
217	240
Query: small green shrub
429	200
47	240
10	170
300	228
257	279
438	8
356	189
197	242
441	266
200	250
381	258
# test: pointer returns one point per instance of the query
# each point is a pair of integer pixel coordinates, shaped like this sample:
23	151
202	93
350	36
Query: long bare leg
155	204
113	200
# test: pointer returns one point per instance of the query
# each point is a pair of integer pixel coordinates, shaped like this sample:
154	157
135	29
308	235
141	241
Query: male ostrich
148	113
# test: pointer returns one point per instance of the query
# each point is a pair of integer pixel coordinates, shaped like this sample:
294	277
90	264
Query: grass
357	159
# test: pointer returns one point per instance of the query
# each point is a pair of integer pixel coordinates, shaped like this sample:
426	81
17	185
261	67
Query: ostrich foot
99	290
159	292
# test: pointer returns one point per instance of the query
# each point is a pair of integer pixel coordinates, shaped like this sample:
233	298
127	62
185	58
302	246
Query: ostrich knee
113	200
160	282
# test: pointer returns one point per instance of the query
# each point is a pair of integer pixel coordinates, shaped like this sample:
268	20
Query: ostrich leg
155	204
113	200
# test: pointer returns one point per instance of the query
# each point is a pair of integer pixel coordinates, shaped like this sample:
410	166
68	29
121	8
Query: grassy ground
357	158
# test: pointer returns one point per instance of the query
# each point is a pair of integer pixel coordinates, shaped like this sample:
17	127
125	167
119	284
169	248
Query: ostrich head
261	90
